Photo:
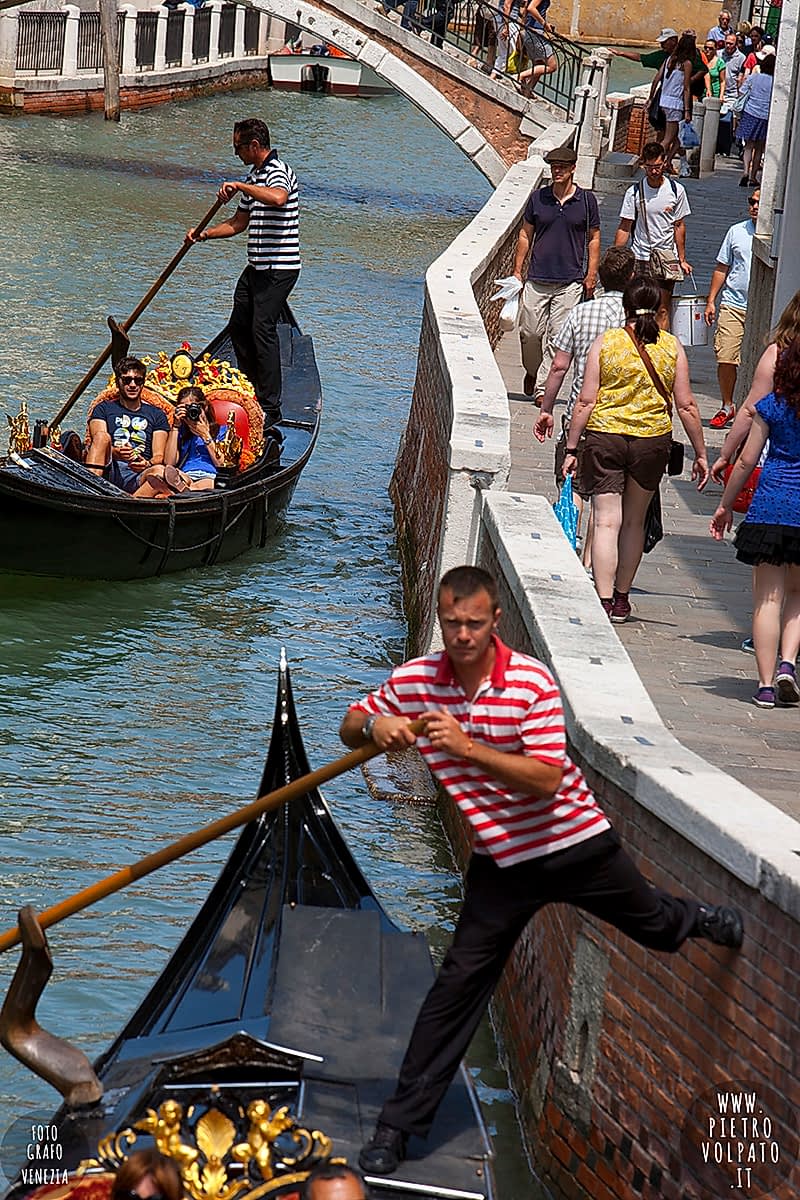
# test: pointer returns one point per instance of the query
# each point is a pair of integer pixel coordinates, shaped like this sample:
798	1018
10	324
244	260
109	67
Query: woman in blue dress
769	537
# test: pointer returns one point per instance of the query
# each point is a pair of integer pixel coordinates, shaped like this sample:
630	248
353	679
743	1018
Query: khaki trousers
544	309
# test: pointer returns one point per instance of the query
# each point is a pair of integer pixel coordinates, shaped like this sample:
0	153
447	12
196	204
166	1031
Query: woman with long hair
191	458
787	329
676	94
628	424
769	537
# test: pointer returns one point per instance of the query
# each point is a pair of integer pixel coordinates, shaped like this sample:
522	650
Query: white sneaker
685	170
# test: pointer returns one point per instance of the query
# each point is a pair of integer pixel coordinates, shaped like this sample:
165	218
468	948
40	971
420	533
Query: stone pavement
691	598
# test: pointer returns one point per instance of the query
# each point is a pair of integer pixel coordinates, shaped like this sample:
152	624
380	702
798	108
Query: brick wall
419	483
633	129
83	100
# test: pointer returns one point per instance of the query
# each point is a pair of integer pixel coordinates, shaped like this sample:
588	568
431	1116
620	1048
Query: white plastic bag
687	135
508	290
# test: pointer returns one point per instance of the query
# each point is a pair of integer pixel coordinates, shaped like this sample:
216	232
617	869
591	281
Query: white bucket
689	319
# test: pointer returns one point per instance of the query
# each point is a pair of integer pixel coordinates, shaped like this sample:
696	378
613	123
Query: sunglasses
131	379
752	200
241	145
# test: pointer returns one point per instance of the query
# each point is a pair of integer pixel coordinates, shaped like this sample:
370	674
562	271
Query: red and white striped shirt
517	711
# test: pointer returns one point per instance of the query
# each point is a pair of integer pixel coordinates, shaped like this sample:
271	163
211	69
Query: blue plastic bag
687	135
567	513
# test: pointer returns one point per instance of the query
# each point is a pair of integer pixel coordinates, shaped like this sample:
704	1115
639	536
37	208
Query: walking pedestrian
675	77
732	275
538	51
720	31
495	740
632	377
769	537
757	91
561	232
654	213
269	211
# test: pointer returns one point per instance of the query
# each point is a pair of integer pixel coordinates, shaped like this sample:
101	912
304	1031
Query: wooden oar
120	879
125	325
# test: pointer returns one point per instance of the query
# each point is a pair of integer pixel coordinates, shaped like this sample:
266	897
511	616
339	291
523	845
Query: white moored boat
326	73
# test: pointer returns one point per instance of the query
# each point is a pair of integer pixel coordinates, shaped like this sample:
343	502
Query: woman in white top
676	96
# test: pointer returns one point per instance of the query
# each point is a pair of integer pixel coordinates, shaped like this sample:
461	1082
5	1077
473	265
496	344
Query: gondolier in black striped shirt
269	211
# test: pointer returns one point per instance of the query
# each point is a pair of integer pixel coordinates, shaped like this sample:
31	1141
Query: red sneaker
722	418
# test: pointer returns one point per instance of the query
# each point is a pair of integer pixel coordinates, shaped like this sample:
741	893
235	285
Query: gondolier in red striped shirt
495	739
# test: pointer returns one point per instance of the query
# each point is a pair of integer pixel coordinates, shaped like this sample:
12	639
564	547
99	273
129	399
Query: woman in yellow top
628	428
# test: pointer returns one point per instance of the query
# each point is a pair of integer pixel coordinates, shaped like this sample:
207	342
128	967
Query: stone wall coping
90	81
480	438
612	721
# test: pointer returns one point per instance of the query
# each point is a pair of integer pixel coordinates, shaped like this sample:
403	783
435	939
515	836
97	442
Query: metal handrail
472	27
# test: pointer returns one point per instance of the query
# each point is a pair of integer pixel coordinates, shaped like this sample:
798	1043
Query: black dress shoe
384	1153
720	925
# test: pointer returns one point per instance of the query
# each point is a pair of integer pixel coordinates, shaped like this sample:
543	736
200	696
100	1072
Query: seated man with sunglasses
127	435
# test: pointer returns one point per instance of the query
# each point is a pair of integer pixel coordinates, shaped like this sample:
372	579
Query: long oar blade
125	325
160	858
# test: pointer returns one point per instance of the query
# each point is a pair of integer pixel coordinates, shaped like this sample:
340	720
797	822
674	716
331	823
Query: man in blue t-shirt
561	232
732	276
127	435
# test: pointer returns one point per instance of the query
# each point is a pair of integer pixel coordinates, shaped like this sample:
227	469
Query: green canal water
131	713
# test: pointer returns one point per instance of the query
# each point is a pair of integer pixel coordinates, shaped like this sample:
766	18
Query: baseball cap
666	34
765	52
561	154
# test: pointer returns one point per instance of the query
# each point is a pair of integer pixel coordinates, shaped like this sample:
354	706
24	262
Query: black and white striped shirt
273	234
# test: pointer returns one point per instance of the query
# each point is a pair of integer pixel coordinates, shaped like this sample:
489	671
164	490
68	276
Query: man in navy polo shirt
561	232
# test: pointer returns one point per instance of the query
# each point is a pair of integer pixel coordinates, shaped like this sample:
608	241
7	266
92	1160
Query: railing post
128	57
160	62
589	132
188	34
238	32
708	135
69	63
9	35
595	73
216	16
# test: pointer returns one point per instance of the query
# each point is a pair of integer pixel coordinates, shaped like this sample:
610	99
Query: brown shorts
729	335
609	459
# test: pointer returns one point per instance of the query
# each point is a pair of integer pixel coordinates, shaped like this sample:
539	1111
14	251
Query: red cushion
222	410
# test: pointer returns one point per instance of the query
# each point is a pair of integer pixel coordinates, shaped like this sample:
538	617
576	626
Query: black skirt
778	545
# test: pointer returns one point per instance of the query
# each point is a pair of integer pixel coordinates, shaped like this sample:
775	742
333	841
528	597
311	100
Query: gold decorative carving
276	1150
19	435
230	448
55	437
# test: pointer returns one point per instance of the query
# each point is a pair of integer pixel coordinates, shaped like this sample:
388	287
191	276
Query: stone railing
612	1050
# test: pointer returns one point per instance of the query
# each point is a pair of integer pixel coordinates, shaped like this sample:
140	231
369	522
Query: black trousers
597	876
257	303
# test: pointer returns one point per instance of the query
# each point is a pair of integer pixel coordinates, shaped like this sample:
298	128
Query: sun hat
666	34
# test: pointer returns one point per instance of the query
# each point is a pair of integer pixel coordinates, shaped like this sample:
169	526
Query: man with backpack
653	214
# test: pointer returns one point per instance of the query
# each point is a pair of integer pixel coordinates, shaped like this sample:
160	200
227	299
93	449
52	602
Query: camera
194	411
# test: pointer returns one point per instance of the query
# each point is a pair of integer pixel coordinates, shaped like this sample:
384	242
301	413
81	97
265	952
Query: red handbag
745	497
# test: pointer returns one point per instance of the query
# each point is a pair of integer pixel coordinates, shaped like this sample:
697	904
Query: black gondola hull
292	986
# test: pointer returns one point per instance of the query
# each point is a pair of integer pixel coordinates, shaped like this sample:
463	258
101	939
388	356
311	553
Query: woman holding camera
191	457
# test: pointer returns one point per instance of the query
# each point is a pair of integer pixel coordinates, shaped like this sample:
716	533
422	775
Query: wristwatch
368	726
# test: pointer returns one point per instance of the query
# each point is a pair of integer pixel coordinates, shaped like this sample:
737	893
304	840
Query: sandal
722	418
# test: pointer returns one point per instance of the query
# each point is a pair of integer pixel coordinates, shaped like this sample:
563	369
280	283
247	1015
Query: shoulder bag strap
643	206
652	372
